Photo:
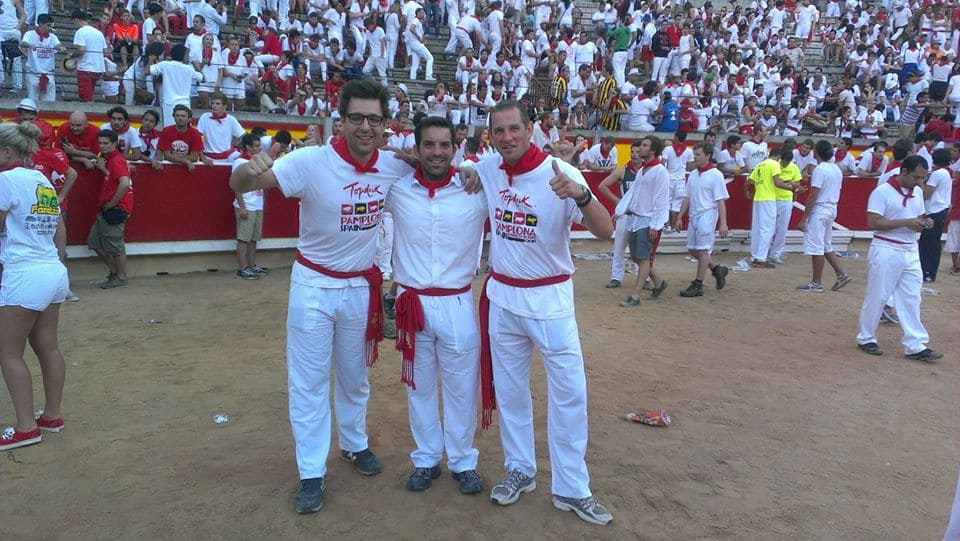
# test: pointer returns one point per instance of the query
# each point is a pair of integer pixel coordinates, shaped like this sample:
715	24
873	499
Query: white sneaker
508	490
387	276
71	296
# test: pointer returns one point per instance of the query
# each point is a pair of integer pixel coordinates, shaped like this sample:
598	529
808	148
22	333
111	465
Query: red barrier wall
175	205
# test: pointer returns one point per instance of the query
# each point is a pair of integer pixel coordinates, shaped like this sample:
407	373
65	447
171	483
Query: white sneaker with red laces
13	438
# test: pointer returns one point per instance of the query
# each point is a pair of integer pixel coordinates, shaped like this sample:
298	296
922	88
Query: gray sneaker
889	316
588	509
309	498
114	281
248	274
71	296
513	485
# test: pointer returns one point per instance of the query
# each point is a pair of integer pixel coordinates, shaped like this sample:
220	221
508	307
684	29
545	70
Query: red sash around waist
488	398
888	239
374	278
410	321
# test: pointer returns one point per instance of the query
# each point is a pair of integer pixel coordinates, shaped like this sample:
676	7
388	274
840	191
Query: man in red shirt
116	204
180	143
332	89
78	138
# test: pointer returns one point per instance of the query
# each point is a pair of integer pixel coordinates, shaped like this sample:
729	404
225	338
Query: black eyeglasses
358	118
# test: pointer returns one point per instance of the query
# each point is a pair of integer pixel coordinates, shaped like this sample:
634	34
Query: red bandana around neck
875	161
651	163
340	147
245	155
706	168
678	148
207	55
633	169
43	35
199	32
893	165
219	118
530	160
840	155
232	58
900	190
432	187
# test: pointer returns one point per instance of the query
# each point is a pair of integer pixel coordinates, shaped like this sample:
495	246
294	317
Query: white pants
32	8
620	237
33	88
496	43
284	8
324	325
678	190
761	228
802	31
419	51
512	340
701	230
659	71
953	237
784	211
894	271
461	37
391	50
380	64
16	65
167	109
384	258
619	67
448	348
953	527
672	63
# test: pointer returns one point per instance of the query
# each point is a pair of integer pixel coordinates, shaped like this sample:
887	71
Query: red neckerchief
530	160
206	56
439	99
740	79
432	187
604	154
705	168
875	161
199	32
893	165
249	60
232	58
468	60
245	155
42	35
678	148
302	108
340	147
568	41
633	169
496	97
546	131
896	186
11	165
219	118
651	163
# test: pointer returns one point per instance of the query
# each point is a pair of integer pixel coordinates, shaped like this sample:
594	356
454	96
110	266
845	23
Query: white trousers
495	44
419	51
784	211
673	63
461	37
384	258
512	340
33	88
380	64
894	271
761	228
326	326
659	70
391	50
619	67
802	31
32	8
953	527
448	348
620	237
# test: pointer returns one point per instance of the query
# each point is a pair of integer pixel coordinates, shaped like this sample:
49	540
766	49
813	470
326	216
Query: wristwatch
584	199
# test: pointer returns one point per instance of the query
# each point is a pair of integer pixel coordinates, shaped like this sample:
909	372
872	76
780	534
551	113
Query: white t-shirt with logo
340	210
530	237
754	153
43	52
436	240
32	211
127	140
596	157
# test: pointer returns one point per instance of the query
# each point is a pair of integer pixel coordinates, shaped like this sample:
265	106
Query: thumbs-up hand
564	186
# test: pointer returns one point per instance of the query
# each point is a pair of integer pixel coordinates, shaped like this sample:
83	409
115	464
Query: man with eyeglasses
335	313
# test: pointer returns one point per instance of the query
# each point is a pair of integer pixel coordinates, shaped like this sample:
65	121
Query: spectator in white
335	19
221	131
584	51
580	86
873	161
642	108
177	80
462	34
376	41
677	157
392	24
91	48
545	131
495	27
129	143
842	157
213	17
155	16
249	213
730	160
417	47
755	150
149	133
522	75
41	46
600	157
233	74
806	15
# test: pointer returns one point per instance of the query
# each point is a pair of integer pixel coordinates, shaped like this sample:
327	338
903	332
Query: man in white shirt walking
417	47
91	49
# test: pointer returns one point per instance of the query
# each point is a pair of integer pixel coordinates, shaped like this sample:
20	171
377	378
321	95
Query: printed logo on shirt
360	216
514	199
47	202
367	190
516	226
178	147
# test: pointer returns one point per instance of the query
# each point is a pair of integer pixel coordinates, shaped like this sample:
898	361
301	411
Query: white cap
403	87
28	104
634	71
